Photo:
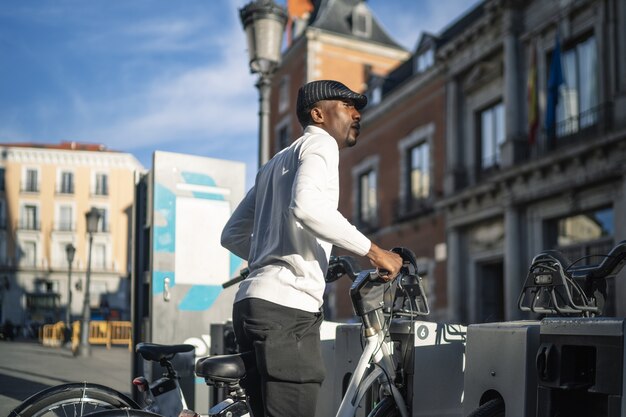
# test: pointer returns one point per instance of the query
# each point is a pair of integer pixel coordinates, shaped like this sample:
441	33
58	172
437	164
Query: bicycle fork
377	351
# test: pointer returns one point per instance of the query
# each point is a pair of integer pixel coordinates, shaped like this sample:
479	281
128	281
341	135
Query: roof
337	16
67	146
406	69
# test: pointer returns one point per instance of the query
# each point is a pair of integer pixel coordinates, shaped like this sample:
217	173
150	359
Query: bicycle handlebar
611	265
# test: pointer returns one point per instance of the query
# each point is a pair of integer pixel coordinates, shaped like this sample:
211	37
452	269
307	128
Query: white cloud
197	104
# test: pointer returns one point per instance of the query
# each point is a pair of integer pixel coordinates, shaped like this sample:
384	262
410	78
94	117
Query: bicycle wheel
72	400
492	408
385	408
123	413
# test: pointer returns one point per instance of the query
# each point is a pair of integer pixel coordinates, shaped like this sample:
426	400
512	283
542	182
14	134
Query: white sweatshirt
288	222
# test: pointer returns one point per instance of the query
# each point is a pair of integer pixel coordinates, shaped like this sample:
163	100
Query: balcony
65	227
29	225
100	192
29	188
579	128
409	208
65	190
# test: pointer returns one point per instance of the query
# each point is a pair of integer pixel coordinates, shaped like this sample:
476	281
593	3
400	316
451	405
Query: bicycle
162	396
380	375
571	299
405	299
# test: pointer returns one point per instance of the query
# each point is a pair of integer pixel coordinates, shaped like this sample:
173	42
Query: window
28	253
30	217
375	95
419	171
425	60
67	183
99	255
361	21
2	176
367	199
102	184
283	94
283	137
582	234
103	222
3	215
66	220
578	101
491	125
31	180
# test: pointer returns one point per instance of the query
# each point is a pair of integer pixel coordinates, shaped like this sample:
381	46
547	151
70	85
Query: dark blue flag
554	83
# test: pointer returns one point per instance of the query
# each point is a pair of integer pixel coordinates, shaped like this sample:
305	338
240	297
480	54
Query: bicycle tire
127	412
385	408
75	399
492	408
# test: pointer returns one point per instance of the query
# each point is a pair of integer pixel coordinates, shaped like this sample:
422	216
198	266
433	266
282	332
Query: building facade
523	174
45	193
340	40
477	154
391	180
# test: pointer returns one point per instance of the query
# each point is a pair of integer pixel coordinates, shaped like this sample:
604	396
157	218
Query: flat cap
315	91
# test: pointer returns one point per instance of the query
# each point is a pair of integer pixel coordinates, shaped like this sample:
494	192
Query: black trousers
289	367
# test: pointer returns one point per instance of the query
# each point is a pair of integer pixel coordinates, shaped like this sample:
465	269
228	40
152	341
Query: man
285	227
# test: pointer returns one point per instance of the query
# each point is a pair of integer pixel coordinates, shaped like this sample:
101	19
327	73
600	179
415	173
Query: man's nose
356	115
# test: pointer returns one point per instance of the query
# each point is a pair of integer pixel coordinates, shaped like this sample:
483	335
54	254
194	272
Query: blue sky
146	75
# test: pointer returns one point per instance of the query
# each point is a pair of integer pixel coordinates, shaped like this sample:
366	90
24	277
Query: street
28	367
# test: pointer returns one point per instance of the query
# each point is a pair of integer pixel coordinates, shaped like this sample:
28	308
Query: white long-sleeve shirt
288	222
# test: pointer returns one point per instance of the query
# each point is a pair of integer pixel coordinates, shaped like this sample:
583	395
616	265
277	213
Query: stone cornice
70	158
527	182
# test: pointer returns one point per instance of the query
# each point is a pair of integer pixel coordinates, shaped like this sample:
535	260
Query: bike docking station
569	363
183	204
429	356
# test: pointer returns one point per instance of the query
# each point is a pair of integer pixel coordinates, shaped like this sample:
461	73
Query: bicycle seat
154	352
224	368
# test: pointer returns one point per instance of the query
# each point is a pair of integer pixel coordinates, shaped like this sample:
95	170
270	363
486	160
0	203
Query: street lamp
93	217
70	250
264	22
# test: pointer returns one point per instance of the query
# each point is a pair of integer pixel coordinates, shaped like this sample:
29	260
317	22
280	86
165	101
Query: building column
454	276
454	145
620	231
513	254
515	142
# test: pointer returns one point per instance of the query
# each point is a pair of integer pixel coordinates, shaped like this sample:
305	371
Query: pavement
27	367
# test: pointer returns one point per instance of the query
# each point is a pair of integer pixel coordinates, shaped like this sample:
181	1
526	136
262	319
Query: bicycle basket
410	297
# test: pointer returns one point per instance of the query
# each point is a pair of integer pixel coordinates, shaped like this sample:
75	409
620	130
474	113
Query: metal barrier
52	334
106	333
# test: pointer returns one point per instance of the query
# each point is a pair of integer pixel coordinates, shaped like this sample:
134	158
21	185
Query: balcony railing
29	188
409	208
67	189
29	225
65	227
578	128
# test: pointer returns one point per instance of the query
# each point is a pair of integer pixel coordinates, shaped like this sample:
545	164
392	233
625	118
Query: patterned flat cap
316	91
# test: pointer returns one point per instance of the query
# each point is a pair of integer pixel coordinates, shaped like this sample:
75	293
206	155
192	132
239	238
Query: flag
555	81
533	107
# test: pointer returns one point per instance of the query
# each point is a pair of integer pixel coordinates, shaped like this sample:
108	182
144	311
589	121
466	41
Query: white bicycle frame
376	351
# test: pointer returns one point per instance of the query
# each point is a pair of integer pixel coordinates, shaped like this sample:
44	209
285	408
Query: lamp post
264	23
70	250
93	217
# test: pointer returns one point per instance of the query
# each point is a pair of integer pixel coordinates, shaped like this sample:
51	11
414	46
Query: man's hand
388	263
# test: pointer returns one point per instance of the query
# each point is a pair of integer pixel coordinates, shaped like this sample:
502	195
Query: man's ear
317	115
